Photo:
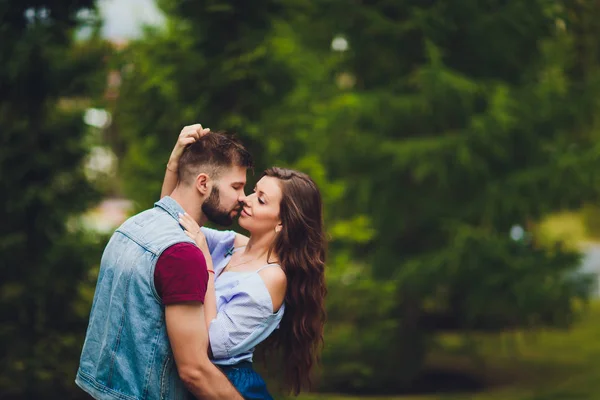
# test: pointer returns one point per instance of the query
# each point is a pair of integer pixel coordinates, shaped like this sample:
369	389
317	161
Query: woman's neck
258	247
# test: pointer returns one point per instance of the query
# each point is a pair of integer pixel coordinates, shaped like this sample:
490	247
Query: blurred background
456	144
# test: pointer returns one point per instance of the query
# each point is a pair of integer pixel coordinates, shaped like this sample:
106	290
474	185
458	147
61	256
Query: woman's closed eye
260	200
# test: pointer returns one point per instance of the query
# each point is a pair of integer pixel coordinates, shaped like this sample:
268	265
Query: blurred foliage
45	81
540	365
567	228
443	125
212	59
590	215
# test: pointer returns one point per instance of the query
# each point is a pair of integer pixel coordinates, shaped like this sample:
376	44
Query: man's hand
188	135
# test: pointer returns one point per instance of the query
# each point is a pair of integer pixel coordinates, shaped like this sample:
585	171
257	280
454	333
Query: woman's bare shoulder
276	283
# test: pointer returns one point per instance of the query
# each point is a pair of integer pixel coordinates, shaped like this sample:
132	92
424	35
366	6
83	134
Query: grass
547	365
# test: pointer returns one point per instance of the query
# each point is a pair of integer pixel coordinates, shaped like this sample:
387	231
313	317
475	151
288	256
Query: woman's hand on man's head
188	135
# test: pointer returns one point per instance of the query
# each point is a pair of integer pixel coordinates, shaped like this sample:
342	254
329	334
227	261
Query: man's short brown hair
212	154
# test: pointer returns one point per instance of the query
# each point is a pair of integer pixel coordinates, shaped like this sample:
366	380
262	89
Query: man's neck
189	204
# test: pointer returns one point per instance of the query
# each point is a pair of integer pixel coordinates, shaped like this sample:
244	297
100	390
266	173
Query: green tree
211	64
444	125
461	120
230	65
45	79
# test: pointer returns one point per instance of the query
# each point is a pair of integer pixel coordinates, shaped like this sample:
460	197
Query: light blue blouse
245	314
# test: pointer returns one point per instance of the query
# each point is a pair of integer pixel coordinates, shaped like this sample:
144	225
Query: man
147	336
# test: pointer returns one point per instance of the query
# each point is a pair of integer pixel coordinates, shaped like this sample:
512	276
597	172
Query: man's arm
189	340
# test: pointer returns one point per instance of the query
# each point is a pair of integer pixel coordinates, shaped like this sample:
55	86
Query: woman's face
261	208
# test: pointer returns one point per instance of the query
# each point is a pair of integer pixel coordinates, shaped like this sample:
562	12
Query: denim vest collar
170	206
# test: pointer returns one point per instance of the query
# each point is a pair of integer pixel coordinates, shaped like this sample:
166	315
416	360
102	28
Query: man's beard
213	212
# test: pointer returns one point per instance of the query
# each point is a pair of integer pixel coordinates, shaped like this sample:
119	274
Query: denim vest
126	354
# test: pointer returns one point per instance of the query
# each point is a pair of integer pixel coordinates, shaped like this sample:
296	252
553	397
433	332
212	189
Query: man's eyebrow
238	183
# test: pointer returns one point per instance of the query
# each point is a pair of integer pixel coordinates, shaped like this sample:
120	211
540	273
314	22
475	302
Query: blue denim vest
126	354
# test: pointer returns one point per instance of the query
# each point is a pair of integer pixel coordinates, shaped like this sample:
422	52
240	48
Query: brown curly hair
301	250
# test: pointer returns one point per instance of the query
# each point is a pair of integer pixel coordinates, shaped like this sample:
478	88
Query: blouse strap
267	266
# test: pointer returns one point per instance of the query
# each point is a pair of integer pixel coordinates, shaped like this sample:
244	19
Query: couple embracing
179	308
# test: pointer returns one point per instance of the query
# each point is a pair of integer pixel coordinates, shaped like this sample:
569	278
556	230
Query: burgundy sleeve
180	274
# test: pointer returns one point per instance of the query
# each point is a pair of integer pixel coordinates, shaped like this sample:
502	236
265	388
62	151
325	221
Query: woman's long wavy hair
301	248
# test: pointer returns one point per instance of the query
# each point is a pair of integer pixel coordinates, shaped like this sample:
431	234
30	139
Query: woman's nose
249	199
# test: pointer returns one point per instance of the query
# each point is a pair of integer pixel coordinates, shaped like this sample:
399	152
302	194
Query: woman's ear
278	227
204	184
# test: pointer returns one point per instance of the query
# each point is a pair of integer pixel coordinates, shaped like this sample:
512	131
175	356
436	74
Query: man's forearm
211	384
188	336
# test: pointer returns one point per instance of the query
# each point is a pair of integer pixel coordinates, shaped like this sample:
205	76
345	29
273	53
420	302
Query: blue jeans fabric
247	381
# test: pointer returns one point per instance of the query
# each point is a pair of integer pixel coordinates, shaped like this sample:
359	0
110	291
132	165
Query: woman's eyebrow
260	192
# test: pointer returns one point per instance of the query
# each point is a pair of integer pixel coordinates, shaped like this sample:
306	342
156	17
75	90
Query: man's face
225	199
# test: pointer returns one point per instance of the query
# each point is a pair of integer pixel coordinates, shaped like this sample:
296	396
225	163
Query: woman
272	284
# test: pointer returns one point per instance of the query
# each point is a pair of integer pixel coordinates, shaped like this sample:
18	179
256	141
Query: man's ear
204	184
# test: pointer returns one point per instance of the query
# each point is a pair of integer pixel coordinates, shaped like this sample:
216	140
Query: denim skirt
247	381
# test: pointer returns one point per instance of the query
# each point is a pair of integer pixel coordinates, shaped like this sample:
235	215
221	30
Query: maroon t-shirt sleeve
180	274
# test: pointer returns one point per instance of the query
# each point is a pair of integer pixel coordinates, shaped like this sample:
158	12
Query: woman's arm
170	181
210	299
240	324
188	135
192	229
